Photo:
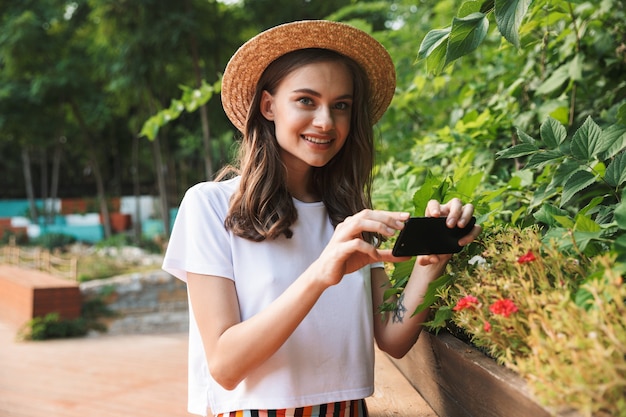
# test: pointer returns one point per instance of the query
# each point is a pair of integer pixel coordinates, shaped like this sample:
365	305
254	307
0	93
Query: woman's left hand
457	214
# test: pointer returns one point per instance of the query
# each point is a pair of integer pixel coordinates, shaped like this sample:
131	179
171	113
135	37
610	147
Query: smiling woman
284	255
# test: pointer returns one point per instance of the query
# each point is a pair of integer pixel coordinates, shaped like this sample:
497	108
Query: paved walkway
134	376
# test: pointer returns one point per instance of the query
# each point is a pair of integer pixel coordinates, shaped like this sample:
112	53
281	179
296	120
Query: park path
142	375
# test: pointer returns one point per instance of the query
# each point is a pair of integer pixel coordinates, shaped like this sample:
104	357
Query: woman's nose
324	119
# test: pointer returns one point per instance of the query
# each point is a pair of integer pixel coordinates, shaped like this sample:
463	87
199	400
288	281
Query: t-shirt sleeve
199	242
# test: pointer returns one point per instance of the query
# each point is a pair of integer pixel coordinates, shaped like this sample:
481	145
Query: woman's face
311	110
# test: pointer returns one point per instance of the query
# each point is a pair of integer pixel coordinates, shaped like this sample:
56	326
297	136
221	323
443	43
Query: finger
425	260
384	222
387	256
453	210
466	215
470	237
433	209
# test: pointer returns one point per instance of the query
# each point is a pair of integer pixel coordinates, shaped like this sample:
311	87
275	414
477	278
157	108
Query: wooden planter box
458	380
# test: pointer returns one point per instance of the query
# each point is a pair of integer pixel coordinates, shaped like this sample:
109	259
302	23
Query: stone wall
144	302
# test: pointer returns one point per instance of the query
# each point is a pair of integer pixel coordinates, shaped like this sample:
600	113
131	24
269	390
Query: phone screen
429	235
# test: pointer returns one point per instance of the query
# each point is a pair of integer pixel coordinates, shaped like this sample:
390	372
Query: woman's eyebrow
316	94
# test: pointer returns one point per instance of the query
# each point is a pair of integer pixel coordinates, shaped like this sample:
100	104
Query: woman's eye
342	106
305	100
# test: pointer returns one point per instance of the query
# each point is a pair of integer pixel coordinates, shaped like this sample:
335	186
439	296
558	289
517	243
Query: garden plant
542	290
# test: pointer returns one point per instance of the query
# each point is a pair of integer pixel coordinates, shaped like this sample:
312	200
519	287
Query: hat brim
247	64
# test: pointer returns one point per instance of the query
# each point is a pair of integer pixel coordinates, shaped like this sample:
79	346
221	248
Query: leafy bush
52	241
51	326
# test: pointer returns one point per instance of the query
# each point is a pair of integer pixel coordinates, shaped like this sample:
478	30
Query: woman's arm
233	347
398	331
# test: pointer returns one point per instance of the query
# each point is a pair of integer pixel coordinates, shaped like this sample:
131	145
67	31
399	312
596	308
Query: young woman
283	269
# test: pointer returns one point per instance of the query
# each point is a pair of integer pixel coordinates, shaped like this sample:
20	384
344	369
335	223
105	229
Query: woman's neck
300	186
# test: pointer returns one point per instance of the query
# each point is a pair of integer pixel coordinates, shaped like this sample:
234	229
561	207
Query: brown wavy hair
262	208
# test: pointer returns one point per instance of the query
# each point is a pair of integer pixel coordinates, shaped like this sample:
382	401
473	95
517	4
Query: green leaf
516	151
467	33
576	183
468	8
432	41
616	171
576	68
432	188
442	315
540	159
564	171
401	272
547	214
468	184
431	292
620	215
586	224
565	221
596	201
586	143
556	80
525	137
621	114
619	246
613	140
509	16
553	133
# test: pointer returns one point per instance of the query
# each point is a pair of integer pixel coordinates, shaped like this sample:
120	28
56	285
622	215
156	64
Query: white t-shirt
329	357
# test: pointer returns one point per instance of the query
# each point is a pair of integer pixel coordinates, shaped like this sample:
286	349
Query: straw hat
248	63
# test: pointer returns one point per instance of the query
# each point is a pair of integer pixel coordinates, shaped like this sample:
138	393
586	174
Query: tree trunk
136	192
56	167
43	175
204	118
161	173
28	182
93	160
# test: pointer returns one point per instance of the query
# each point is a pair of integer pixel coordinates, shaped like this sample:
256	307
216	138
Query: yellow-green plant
557	320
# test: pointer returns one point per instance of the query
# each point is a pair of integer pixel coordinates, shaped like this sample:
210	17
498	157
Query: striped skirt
354	408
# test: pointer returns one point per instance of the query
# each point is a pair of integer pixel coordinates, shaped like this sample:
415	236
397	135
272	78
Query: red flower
469	301
504	307
487	327
529	257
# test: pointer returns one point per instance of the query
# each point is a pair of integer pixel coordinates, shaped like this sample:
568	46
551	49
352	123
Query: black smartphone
429	235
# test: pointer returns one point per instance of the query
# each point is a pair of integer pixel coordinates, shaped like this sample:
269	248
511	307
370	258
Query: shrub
52	241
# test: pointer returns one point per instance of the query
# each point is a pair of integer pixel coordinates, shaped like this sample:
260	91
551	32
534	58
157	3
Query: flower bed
556	320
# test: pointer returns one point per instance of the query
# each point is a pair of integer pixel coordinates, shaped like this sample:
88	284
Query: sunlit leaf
509	16
469	7
586	224
555	81
553	133
431	41
467	33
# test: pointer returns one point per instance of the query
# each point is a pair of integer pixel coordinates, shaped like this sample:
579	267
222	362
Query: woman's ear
267	105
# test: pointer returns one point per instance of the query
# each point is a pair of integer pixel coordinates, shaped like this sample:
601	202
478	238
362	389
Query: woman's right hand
348	252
